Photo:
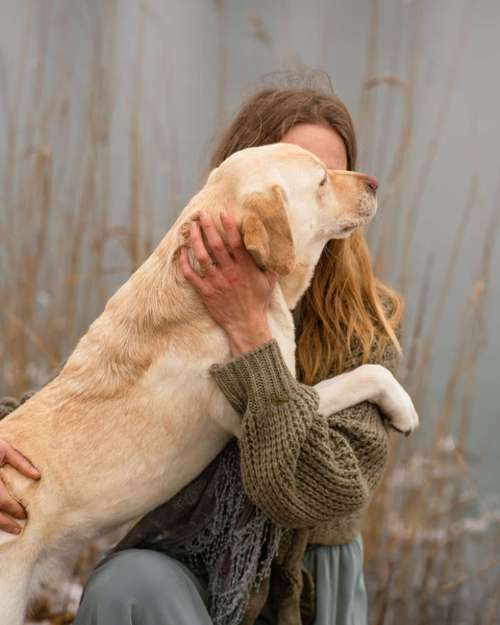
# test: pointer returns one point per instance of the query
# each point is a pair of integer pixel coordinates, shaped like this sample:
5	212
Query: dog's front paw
406	420
397	406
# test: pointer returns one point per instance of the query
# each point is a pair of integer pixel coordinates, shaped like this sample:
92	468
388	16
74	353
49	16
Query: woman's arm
299	467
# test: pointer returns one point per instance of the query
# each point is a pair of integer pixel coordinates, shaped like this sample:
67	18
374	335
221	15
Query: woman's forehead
325	142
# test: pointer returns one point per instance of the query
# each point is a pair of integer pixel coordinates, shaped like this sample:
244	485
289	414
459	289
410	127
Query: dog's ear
266	230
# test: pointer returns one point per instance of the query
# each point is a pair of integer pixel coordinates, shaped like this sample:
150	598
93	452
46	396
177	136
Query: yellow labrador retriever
134	414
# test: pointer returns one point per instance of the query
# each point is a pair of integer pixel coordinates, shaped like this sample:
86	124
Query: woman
305	471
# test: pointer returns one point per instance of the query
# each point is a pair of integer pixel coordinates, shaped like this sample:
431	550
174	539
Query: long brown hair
346	308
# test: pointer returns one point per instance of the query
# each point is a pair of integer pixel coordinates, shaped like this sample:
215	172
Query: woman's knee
140	576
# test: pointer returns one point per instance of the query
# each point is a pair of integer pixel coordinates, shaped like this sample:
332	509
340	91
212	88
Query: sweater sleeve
299	467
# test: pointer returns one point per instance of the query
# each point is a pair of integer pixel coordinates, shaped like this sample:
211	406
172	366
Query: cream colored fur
134	414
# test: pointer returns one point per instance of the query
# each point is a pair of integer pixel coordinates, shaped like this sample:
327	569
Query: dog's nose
372	182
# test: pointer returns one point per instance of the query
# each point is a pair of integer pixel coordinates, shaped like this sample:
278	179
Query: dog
134	414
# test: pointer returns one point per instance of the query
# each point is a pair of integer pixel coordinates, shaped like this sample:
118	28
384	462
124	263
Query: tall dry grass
431	541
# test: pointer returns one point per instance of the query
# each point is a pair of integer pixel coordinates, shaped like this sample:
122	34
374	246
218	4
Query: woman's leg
143	587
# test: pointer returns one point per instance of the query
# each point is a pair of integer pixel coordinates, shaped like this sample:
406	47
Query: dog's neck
296	283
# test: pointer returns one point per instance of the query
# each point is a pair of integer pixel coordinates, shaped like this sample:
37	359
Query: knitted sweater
312	474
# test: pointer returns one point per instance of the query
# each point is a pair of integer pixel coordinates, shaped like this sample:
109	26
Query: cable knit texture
300	468
310	473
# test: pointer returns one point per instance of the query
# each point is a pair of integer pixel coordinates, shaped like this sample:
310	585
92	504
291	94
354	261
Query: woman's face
323	141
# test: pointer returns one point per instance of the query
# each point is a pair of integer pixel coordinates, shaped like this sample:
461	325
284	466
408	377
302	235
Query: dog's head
286	202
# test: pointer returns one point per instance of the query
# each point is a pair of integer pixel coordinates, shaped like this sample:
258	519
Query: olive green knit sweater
301	468
311	473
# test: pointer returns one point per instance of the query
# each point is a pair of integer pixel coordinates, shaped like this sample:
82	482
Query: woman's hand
9	507
235	291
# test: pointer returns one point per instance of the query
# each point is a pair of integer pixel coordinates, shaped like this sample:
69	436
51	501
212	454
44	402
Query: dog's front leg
374	383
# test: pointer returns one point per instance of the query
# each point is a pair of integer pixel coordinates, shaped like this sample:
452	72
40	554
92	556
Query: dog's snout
371	182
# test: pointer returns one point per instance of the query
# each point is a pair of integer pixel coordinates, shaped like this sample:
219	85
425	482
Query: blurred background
109	112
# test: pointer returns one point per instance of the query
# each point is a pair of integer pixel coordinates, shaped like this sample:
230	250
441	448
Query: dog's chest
180	385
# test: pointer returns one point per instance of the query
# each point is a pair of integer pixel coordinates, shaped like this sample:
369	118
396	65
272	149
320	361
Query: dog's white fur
134	414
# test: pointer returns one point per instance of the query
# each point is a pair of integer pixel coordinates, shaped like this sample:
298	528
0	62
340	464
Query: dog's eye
323	181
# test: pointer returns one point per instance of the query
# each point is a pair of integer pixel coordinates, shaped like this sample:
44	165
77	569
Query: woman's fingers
7	524
11	509
215	241
16	459
233	234
9	505
215	244
189	273
199	249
